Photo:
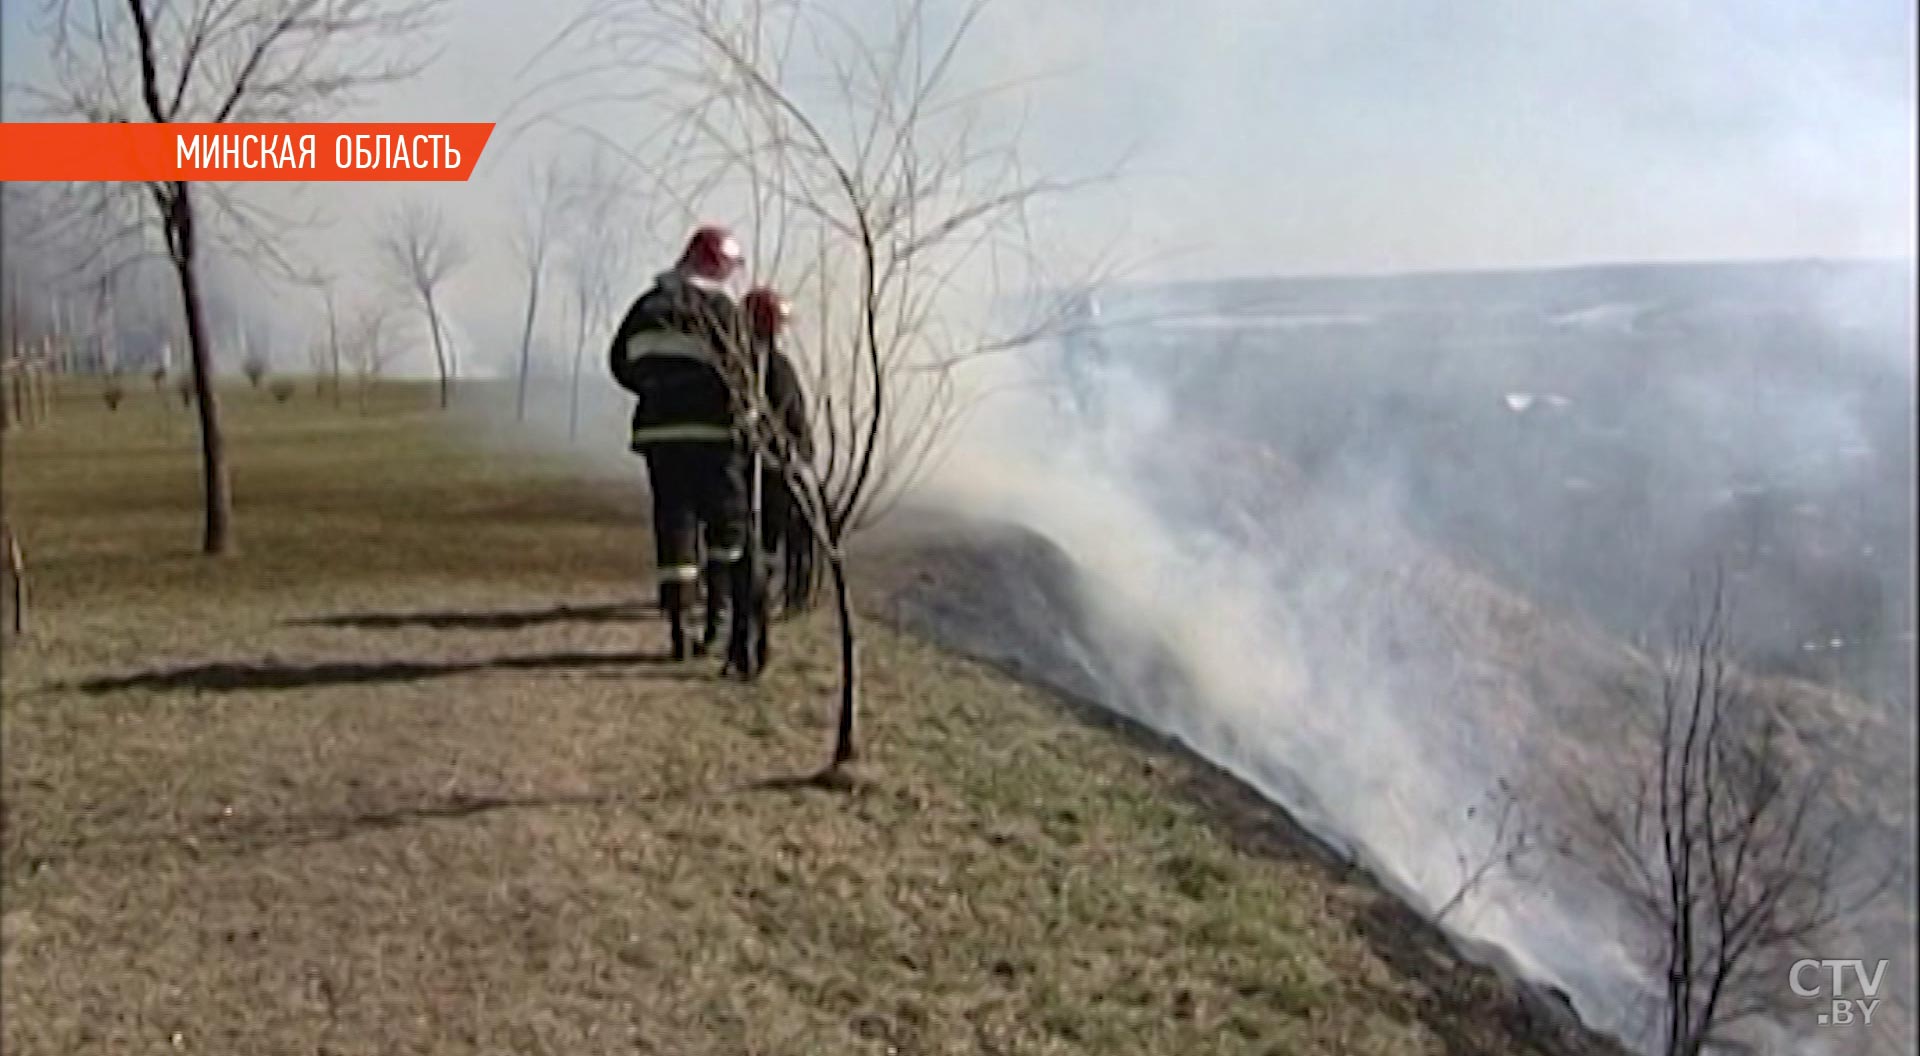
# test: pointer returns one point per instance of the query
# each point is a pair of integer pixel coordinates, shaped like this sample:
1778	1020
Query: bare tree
595	259
1726	843
333	346
14	570
887	202
421	252
367	340
317	364
532	241
15	576
101	320
255	358
326	358
211	61
1513	840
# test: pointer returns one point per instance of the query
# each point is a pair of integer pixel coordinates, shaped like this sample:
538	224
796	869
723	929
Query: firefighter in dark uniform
679	350
783	525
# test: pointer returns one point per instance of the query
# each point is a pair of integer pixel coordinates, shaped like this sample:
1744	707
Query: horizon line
1493	270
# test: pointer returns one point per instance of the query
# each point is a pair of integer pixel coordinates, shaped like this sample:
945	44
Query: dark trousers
695	485
784	528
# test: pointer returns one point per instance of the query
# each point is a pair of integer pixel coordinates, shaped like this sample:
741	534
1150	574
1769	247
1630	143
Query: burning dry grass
407	776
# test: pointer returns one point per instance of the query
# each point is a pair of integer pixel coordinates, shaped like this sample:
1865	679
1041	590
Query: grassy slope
405	777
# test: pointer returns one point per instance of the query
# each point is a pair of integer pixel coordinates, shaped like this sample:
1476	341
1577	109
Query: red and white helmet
712	253
766	310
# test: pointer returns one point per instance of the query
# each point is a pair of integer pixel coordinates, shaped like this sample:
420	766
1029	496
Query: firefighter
782	523
679	350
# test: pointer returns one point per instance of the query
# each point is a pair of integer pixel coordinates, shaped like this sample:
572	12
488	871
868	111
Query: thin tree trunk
333	348
439	350
9	353
843	750
215	484
573	398
17	573
16	565
526	345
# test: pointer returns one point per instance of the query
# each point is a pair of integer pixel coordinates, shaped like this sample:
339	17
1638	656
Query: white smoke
1333	657
1323	735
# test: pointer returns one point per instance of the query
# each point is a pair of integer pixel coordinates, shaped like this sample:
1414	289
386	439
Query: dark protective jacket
675	350
788	402
783	526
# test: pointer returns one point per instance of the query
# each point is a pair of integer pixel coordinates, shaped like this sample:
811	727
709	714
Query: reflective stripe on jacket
683	432
670	343
672	351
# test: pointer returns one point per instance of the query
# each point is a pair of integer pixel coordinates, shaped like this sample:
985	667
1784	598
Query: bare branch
882	199
1728	847
419	253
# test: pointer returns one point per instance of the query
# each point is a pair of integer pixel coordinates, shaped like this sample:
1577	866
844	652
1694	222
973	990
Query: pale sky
1289	137
1417	134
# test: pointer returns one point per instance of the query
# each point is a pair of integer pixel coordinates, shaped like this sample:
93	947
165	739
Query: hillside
1376	682
408	776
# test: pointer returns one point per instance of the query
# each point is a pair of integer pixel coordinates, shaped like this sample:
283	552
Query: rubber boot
673	603
719	605
799	551
747	630
676	633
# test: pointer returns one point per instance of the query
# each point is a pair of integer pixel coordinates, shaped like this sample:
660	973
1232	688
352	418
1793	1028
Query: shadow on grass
496	620
831	779
318	827
221	835
234	677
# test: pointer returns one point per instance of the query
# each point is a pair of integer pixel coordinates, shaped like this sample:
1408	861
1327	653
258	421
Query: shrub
282	390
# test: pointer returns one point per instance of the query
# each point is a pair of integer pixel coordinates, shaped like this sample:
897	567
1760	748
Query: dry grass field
408	775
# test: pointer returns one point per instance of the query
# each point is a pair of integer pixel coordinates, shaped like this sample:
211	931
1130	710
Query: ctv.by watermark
1828	977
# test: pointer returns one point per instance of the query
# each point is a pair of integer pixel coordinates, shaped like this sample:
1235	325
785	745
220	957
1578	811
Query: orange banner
445	151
